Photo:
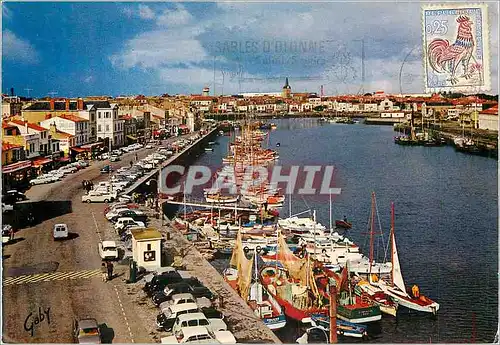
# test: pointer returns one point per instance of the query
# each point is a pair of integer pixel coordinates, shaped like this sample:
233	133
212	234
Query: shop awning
15	167
64	159
90	146
41	161
78	149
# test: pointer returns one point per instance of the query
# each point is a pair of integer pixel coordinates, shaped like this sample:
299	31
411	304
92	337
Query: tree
319	108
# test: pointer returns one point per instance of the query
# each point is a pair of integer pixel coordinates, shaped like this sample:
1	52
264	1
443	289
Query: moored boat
397	290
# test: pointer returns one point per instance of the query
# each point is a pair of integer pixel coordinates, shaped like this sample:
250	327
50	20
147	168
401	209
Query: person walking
110	270
104	272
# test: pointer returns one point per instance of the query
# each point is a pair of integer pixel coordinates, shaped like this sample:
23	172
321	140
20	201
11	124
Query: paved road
62	276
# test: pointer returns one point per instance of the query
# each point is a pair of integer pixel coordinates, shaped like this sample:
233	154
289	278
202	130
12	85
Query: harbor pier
186	151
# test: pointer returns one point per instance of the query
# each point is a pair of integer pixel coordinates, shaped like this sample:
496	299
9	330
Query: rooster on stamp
455	46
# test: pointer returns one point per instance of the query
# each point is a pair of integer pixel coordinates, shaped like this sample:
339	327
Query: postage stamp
456	47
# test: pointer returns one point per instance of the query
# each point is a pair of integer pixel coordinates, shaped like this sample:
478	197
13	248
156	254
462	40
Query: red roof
125	117
491	111
73	118
8	146
30	125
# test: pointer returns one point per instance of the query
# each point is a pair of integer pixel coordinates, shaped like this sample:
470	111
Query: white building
386	105
370	107
42	145
488	119
71	124
108	124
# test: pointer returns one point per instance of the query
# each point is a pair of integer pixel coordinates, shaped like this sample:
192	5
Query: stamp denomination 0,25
455	45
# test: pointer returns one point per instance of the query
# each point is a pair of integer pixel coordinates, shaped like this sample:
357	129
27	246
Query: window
192	323
149	256
149	247
92	117
99	115
99	128
107	128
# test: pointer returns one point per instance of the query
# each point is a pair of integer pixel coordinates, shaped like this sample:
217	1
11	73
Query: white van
60	232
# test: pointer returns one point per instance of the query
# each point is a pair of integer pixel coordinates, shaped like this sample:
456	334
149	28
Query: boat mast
392	244
330	193
184	201
290	206
371	233
314	230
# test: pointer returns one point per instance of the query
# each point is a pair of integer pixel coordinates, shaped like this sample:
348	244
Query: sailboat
264	305
238	276
397	290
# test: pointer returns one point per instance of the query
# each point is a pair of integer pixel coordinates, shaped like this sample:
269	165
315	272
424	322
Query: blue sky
79	49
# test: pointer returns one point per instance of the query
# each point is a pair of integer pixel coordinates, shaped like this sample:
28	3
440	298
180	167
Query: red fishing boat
291	282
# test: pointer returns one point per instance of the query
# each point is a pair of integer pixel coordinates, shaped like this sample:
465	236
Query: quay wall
183	156
241	116
240	319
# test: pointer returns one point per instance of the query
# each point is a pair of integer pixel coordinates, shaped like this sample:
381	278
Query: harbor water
446	220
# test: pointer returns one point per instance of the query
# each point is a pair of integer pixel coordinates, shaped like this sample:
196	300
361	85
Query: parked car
115	211
198	319
182	298
56	174
106	169
192	286
86	331
122	169
149	146
165	320
114	158
83	164
41	180
159	281
94	196
199	335
116	152
69	169
7	233
124	222
60	232
7	207
104	156
108	250
14	195
135	214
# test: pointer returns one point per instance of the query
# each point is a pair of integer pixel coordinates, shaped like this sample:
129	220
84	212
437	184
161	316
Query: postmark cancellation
456	47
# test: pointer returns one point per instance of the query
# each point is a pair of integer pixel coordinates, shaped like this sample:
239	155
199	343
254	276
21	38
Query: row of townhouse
277	105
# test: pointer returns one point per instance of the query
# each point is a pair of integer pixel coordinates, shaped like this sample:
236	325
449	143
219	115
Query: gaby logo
302	180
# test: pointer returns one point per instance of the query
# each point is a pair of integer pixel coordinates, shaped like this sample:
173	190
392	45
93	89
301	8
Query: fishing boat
209	149
344	224
377	296
221	199
397	290
239	277
350	307
292	284
345	328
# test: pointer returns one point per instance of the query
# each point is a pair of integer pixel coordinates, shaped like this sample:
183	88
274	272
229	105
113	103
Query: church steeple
287	86
287	90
